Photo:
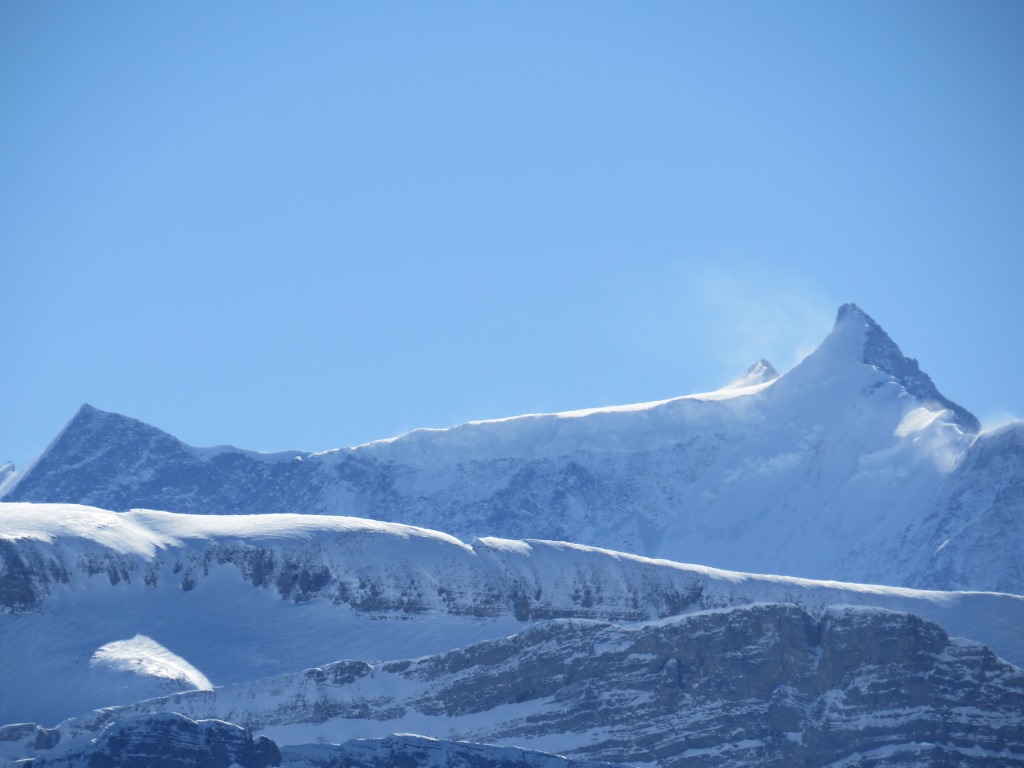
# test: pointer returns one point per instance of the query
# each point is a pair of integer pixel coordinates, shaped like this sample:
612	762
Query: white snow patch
916	420
515	546
726	393
270	457
144	656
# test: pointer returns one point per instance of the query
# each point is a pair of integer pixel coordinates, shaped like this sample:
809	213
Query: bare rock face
27	575
118	462
407	751
881	351
166	740
27	737
175	741
767	684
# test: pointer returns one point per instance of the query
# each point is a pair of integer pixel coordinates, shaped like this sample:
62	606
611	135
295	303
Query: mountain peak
851	309
90	419
84	415
876	348
760	372
91	440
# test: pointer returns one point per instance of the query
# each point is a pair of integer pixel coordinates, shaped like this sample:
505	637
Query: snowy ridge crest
760	372
251	572
807	473
883	353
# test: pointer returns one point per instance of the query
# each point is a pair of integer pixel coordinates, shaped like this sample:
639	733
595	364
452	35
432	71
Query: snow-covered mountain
294	601
852	453
99	608
974	524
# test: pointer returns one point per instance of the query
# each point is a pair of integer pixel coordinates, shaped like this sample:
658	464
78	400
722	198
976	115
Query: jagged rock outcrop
26	738
173	741
767	684
164	740
881	351
406	751
118	463
784	475
760	372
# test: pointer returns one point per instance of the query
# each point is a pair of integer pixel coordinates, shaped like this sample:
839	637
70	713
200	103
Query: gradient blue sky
308	225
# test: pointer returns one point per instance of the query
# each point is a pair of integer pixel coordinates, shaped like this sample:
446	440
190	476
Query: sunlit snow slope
100	608
852	465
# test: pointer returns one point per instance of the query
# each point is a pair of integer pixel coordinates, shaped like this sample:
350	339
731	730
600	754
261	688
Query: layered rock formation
104	608
767	684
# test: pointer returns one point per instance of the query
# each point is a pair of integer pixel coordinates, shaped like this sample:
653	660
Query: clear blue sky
308	225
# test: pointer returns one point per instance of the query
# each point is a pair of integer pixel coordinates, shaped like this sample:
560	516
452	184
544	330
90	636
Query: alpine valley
571	589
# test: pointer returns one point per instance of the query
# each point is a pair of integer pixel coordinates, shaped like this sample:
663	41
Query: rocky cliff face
796	474
165	740
418	752
881	352
118	463
104	608
74	578
173	741
766	684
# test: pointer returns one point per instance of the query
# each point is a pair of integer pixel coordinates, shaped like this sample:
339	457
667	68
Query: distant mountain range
525	591
850	466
